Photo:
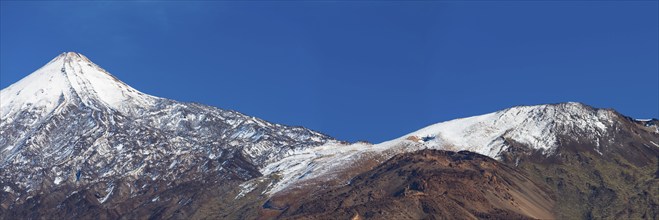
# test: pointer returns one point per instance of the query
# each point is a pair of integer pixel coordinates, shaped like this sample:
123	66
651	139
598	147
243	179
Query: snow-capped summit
536	126
70	78
71	124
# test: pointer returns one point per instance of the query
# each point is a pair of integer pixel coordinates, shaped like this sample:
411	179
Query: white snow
8	189
109	192
173	164
325	161
58	180
68	78
535	126
40	90
655	144
247	187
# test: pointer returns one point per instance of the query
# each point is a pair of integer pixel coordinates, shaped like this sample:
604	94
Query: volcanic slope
432	184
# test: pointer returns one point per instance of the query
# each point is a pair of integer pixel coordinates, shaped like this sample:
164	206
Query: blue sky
356	70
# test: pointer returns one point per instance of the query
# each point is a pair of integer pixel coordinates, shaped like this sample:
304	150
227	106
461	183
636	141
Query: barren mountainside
432	184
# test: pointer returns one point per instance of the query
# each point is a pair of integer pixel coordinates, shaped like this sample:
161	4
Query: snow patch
8	189
58	180
246	187
109	193
655	144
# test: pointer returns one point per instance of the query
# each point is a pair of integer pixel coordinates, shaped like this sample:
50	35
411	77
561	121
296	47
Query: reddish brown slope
431	184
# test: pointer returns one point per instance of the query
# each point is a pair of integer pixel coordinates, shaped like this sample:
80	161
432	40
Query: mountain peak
70	78
538	126
71	57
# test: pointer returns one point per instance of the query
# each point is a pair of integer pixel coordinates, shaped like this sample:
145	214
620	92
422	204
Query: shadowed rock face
432	184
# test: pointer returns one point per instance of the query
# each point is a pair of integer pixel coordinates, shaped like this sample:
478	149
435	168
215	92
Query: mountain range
76	142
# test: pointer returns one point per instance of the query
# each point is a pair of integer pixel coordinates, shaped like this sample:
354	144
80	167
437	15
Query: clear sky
356	70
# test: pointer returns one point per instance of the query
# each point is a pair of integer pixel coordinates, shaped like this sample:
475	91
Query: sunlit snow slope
70	77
